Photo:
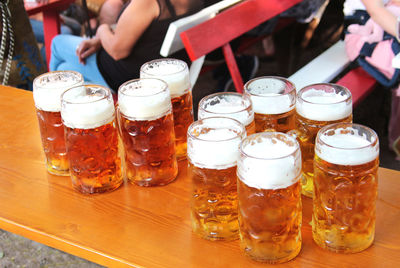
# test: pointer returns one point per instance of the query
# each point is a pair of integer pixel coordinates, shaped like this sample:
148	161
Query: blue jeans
63	57
37	28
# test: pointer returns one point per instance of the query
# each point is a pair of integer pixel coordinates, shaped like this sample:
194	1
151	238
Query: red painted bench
229	24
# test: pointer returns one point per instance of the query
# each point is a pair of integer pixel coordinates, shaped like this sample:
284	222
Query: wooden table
137	226
51	19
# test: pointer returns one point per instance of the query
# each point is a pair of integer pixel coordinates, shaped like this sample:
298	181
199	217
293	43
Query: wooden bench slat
323	68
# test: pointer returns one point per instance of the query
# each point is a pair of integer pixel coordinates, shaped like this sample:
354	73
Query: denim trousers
63	58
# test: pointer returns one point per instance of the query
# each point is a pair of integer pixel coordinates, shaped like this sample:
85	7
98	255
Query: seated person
113	57
379	31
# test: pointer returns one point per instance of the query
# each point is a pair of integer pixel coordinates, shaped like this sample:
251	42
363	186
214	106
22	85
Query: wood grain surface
143	227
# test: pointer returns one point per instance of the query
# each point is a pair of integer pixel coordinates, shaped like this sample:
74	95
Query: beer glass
91	137
228	104
274	101
147	129
176	73
213	148
345	187
269	195
318	105
47	90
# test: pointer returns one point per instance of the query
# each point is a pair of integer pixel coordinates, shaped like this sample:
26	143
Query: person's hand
87	47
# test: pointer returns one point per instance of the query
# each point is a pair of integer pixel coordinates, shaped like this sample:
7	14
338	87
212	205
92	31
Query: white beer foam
216	149
272	103
47	96
348	149
171	71
147	102
88	112
268	96
272	165
323	106
229	106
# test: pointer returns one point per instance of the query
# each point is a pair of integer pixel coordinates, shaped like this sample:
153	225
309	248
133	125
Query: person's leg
63	57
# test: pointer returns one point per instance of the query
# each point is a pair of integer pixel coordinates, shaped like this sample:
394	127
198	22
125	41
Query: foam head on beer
48	87
174	72
271	95
213	142
87	107
232	105
270	161
144	99
328	102
346	145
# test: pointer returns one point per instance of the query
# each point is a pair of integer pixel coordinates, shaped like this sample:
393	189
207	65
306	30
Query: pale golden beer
176	73
345	187
318	105
213	148
269	195
47	90
92	140
231	105
147	130
274	101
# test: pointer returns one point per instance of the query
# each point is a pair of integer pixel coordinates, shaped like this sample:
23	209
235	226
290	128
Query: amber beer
213	148
345	187
229	104
274	101
91	138
176	74
269	194
47	90
318	105
147	130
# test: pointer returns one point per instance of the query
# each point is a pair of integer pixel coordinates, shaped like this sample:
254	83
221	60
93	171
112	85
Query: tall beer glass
47	90
345	187
274	101
176	74
229	104
213	148
269	194
91	138
318	105
147	130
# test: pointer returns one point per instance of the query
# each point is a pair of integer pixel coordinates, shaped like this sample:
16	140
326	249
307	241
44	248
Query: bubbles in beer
145	99
174	72
323	105
272	163
341	147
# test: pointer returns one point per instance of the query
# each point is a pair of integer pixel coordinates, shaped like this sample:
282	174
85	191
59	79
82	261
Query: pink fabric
382	57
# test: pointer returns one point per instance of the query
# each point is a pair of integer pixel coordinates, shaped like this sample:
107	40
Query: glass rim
146	64
292	87
242	96
78	74
198	123
253	136
107	94
122	88
326	128
332	85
